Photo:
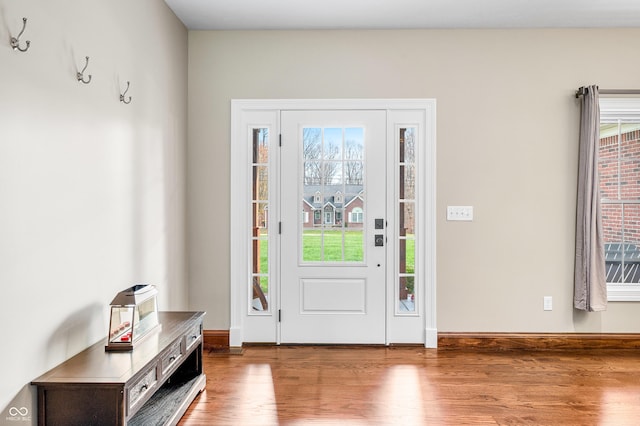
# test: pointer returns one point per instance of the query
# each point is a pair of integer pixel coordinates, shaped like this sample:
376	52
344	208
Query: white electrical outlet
460	213
548	303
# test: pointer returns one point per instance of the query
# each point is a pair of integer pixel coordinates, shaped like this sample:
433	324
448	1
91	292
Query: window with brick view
619	171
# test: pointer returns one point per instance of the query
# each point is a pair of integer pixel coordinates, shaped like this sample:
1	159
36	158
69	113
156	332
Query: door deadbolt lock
379	240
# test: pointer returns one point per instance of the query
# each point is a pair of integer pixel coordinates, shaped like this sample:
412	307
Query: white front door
333	215
304	264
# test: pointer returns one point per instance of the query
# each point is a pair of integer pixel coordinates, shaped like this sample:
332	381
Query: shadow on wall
22	408
77	332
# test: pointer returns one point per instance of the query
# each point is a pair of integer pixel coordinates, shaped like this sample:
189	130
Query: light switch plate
548	303
460	213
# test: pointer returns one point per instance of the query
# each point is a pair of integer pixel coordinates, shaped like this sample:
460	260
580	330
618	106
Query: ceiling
401	14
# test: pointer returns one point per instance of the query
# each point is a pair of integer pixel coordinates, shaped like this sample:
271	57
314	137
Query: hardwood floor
355	386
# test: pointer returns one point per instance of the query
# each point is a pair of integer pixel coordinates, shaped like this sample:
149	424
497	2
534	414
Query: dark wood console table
151	385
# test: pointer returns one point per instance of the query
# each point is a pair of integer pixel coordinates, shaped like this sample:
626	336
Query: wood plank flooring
356	386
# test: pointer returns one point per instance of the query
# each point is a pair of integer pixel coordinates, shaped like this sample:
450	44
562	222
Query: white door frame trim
240	183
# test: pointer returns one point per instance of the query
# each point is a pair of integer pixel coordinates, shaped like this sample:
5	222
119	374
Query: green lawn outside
313	240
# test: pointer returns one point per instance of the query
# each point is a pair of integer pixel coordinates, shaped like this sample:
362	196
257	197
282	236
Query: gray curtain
590	287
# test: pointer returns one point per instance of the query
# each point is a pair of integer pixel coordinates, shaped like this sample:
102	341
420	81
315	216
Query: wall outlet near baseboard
548	303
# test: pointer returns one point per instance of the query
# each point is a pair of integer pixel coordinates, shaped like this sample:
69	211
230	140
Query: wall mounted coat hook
122	95
15	41
80	74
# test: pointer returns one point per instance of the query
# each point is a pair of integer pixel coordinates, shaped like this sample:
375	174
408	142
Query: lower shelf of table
170	402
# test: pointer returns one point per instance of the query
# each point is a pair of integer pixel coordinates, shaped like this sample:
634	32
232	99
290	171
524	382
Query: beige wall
507	126
91	190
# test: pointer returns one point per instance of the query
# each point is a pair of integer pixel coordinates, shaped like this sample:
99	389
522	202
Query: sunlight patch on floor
619	405
330	422
399	399
255	398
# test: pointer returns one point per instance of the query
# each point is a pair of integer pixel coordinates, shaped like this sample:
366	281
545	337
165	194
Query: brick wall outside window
621	159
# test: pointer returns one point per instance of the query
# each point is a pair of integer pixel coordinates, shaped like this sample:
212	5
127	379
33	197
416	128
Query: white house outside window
356	215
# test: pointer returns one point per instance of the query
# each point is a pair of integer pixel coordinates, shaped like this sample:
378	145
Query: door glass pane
407	294
261	182
354	244
260	146
260	219
406	222
261	248
407	219
333	194
260	222
407	146
312	245
332	175
333	246
353	175
312	173
406	257
332	146
312	143
407	182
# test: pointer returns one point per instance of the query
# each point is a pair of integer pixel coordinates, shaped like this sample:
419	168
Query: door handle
379	240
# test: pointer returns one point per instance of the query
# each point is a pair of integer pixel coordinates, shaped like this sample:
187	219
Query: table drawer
143	387
171	358
193	335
